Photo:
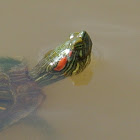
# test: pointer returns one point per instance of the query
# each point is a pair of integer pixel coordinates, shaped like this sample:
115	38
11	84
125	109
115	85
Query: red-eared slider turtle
20	89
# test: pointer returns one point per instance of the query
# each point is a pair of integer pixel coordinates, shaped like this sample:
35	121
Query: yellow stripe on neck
2	108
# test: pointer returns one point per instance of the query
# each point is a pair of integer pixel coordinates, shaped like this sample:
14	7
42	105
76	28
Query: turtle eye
78	43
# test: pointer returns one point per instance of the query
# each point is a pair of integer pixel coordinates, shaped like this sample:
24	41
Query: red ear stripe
70	53
61	64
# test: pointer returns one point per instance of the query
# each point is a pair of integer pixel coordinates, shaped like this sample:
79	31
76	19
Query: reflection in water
86	76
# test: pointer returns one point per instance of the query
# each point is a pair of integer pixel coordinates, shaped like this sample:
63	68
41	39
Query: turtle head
81	44
70	58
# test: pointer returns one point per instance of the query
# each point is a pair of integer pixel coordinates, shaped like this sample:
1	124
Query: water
105	109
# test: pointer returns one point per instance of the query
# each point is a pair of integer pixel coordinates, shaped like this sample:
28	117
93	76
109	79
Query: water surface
105	109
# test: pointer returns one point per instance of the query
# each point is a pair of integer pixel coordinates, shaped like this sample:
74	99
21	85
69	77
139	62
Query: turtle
20	87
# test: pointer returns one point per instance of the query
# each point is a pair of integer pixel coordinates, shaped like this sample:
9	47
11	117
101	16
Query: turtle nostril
74	35
82	34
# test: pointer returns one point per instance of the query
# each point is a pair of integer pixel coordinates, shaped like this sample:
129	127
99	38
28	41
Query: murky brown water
108	108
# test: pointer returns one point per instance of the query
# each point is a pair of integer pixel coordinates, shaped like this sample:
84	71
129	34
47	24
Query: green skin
79	44
20	89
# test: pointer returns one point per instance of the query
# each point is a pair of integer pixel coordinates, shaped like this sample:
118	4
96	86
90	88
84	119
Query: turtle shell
19	95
